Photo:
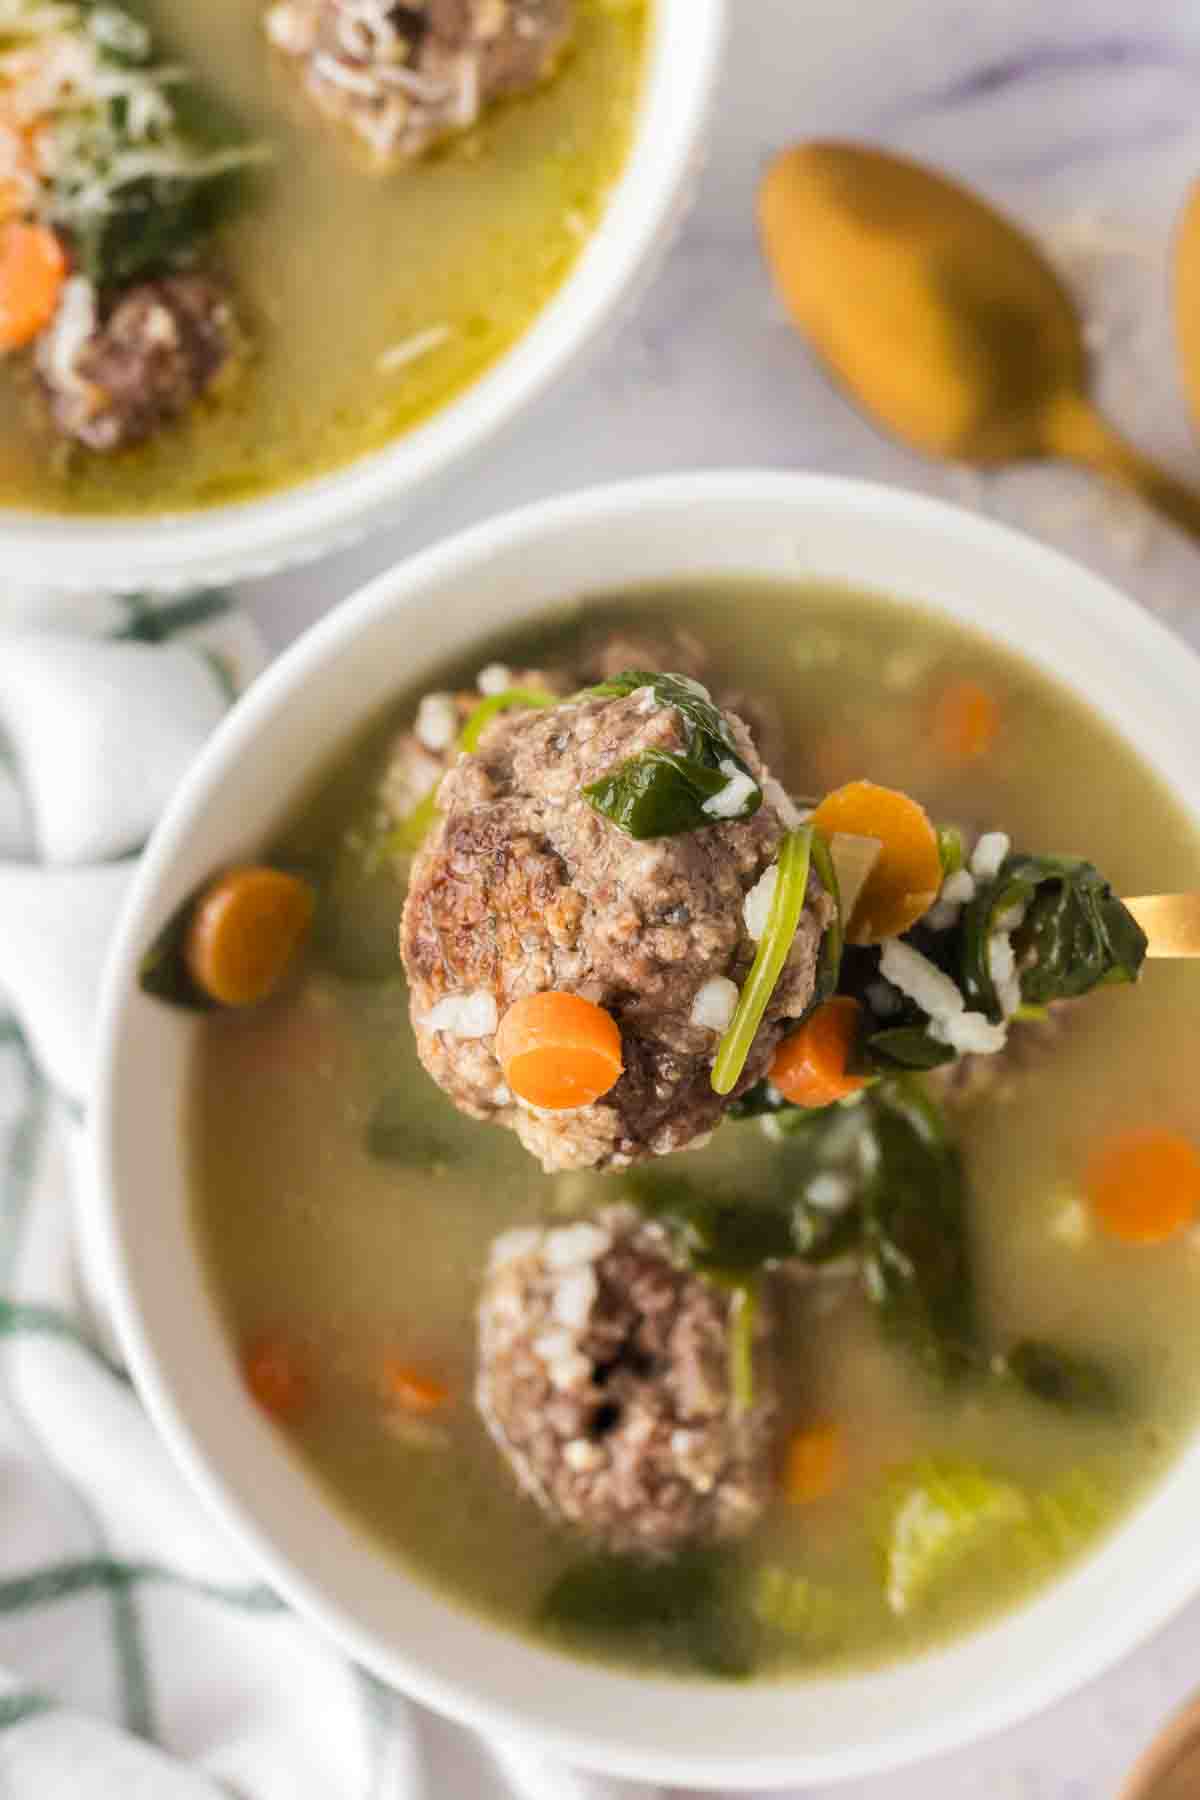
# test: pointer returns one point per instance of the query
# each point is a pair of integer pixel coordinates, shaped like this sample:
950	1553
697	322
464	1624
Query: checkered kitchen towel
139	1658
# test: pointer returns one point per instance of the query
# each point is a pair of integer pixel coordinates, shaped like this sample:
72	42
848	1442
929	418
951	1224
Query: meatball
403	77
162	345
522	887
604	1381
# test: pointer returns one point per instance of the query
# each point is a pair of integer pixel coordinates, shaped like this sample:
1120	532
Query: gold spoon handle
1170	921
1076	431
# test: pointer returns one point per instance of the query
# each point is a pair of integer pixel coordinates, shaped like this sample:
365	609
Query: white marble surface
1081	116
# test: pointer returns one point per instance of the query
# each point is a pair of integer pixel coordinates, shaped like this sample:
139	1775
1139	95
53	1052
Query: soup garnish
884	1354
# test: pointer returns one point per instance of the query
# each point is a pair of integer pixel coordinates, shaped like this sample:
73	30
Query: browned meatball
403	77
162	345
604	1381
522	887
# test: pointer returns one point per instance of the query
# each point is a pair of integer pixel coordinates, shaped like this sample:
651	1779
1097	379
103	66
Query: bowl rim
1157	1597
294	524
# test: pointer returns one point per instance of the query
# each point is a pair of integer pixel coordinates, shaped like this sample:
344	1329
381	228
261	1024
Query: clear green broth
304	1232
333	265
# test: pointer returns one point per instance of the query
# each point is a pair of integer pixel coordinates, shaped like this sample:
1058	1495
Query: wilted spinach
880	1180
1075	936
915	1251
1063	1378
163	971
661	793
691	1608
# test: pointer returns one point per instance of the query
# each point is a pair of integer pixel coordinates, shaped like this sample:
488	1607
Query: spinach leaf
151	227
719	1234
915	1254
163	970
398	1132
905	1047
1063	1379
1076	935
662	793
657	794
690	1607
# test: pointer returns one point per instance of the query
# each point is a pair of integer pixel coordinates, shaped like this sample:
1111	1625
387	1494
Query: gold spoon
1187	298
941	318
1171	923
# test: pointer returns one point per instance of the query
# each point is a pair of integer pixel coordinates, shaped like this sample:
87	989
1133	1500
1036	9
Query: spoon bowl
940	318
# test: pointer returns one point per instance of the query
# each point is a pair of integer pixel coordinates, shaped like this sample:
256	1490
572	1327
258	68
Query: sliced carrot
245	931
904	882
810	1066
33	268
1144	1186
409	1388
814	1464
559	1050
277	1378
966	721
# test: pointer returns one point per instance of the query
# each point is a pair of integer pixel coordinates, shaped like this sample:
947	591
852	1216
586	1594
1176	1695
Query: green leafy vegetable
137	164
937	1515
690	1608
785	1602
905	1047
163	971
1075	934
662	793
787	904
395	1133
1060	1378
915	1253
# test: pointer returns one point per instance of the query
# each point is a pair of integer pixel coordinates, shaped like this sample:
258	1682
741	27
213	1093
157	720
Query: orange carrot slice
966	721
277	1378
559	1050
245	931
1144	1186
904	882
810	1066
814	1464
409	1388
33	268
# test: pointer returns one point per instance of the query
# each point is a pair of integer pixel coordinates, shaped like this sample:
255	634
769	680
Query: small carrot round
245	931
810	1066
277	1378
559	1050
904	882
410	1389
1144	1186
814	1464
966	721
33	267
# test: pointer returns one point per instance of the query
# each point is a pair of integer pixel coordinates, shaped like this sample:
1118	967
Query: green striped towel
140	1659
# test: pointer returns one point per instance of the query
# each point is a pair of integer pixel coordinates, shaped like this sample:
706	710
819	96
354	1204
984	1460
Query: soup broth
340	1197
370	299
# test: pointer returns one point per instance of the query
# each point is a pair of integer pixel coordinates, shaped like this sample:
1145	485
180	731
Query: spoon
1171	923
941	318
1187	298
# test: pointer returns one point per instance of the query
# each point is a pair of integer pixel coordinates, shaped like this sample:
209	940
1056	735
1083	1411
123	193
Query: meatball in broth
527	885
